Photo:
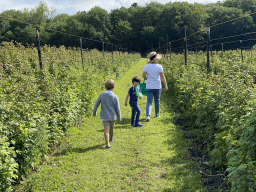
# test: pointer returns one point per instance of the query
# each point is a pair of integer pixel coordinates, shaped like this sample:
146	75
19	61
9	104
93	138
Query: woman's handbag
142	87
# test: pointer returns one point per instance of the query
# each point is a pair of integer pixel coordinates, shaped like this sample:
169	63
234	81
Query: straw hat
154	57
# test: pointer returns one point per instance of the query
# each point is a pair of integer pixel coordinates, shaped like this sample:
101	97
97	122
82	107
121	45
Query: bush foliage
220	108
37	106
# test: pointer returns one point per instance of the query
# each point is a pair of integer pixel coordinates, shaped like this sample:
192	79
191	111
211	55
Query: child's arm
117	108
127	96
96	107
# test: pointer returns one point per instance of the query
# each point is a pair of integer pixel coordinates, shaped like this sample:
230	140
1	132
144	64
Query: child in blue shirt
134	93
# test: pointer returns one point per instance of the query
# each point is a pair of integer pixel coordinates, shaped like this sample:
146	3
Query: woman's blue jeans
135	110
153	93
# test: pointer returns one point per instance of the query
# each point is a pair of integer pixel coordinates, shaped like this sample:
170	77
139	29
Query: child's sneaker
107	147
147	118
138	125
112	139
133	124
157	116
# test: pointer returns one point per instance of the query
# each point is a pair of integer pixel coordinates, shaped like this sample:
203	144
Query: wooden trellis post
39	50
81	45
103	49
170	50
208	50
186	44
242	56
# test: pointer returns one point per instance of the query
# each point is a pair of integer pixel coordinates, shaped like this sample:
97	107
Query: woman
154	73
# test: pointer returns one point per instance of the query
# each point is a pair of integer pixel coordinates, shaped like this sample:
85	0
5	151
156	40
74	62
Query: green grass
148	158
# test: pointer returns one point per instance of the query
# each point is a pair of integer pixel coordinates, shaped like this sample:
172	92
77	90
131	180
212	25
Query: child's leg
133	114
111	132
138	113
106	131
106	134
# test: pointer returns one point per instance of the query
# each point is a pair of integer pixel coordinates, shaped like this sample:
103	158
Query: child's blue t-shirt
133	97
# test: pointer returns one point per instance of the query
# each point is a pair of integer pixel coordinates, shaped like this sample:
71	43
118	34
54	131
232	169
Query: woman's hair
136	79
110	84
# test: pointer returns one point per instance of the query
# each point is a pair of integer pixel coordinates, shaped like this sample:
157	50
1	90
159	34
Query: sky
71	7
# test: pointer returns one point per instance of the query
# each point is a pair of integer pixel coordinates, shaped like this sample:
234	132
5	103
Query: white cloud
71	7
8	4
74	6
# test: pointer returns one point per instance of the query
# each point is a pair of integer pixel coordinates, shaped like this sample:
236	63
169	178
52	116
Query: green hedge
38	106
220	108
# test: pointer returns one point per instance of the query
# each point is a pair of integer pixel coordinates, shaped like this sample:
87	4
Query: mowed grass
148	158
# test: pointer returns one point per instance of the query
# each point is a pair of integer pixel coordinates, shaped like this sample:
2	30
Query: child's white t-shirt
153	75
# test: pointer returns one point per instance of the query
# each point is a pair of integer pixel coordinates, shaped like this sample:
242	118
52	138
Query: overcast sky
71	7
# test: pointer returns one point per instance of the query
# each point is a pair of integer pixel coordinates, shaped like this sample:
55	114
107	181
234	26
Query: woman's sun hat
154	57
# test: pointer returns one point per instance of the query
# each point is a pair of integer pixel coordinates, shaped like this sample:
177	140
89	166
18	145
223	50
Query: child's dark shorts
109	123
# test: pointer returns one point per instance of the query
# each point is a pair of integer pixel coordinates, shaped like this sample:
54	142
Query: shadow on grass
124	124
77	150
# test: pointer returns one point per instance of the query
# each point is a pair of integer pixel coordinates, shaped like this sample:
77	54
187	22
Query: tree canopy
137	28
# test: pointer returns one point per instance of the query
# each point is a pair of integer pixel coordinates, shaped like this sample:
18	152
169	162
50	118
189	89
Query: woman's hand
144	75
162	76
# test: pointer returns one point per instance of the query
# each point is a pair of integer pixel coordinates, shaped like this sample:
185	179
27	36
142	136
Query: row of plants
38	106
219	107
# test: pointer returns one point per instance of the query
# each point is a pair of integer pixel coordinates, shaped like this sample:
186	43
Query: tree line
137	28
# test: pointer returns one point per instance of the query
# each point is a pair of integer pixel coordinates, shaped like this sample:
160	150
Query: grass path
148	158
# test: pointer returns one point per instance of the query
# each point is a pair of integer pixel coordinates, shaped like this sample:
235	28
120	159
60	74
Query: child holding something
134	93
110	110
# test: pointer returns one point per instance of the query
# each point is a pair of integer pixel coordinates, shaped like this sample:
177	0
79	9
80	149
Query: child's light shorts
109	123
